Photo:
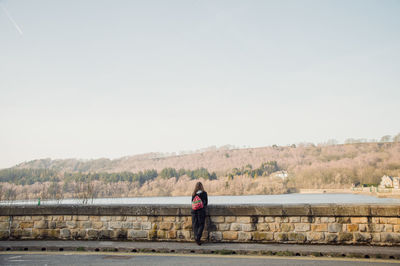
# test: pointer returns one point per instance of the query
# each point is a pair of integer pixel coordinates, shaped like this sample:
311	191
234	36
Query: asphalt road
109	258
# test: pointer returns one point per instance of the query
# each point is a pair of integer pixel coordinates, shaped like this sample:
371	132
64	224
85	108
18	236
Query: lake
223	200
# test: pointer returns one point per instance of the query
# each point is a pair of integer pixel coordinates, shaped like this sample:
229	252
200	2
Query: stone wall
316	224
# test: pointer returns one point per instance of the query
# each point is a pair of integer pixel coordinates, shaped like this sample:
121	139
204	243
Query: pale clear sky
89	79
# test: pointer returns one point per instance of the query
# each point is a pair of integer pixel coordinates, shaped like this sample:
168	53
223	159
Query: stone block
67	217
352	228
105	234
119	218
94	218
4	235
376	237
262	227
86	225
120	234
362	227
359	220
165	225
229	235
23	233
345	237
281	219
177	225
334	228
169	219
4	218
388	228
362	237
146	225
343	220
281	237
155	219
306	219
287	227
236	227
52	225
217	219
259	219
331	238
71	224
161	234
105	218
135	234
42	224
37	218
78	234
260	236
223	227
142	218
92	234
393	238
248	227
187	225
244	236
115	225
83	218
215	236
172	234
302	227
315	236
319	227
243	219
393	220
230	219
65	233
5	225
297	237
127	225
396	228
295	219
376	227
269	219
328	219
97	225
274	227
185	234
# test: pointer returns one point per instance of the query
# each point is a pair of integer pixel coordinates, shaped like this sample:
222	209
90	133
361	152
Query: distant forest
223	171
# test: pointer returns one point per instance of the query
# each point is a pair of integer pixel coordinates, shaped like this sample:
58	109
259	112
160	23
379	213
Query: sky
90	79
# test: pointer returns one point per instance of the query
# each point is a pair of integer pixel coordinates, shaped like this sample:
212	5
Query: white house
390	182
281	174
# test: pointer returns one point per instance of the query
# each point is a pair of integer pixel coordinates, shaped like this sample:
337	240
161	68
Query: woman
199	215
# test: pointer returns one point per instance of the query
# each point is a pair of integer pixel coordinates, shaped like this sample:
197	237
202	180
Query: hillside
223	171
380	156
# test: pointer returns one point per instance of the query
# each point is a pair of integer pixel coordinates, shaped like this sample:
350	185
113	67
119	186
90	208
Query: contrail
11	19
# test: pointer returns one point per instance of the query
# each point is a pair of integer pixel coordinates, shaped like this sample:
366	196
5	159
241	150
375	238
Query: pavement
340	251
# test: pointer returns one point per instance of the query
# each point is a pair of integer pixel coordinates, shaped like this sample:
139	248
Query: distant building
390	182
282	174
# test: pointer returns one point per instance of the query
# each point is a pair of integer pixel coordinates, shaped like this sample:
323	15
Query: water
223	200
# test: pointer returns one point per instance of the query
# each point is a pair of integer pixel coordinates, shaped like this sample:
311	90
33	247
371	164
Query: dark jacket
204	198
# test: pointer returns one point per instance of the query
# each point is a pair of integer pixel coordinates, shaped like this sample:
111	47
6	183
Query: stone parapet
301	224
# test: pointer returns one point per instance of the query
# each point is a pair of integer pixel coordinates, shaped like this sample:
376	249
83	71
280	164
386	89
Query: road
110	258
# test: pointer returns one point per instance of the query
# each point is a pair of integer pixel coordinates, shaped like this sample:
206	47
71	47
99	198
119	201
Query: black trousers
198	222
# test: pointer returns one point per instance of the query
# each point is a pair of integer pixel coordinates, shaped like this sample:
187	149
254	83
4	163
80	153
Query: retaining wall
315	224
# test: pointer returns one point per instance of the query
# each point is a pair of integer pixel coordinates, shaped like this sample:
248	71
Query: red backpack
197	203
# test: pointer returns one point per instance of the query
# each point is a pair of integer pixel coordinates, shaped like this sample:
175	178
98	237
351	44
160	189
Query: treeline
31	176
265	169
27	176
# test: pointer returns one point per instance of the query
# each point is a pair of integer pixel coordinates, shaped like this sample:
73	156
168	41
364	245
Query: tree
396	138
386	138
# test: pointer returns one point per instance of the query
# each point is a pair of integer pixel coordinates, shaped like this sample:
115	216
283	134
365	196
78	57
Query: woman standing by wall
199	205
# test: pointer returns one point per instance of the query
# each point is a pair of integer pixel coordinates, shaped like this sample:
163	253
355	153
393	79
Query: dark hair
199	186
